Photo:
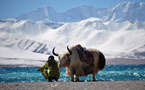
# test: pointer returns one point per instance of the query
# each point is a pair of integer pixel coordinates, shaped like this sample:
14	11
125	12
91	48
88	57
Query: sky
13	8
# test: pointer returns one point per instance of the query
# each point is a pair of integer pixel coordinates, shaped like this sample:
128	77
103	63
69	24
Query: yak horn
54	52
70	53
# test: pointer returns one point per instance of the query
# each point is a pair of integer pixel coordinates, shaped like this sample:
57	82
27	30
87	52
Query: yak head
63	58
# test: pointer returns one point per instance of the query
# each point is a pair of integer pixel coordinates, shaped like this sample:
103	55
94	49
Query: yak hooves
77	80
72	80
93	80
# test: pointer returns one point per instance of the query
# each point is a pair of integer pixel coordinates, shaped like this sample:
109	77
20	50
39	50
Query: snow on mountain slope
131	11
82	12
9	56
75	14
24	50
114	39
26	43
27	27
40	14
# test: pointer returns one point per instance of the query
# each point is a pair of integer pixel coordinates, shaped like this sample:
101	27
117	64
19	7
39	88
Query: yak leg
72	78
93	77
72	75
77	78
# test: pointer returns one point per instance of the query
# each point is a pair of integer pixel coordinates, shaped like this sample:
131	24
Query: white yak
76	67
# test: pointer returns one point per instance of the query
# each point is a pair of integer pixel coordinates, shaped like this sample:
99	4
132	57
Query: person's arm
42	68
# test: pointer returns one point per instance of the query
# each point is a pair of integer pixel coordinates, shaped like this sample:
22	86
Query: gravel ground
99	85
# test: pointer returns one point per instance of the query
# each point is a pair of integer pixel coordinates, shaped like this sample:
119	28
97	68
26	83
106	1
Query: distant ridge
131	11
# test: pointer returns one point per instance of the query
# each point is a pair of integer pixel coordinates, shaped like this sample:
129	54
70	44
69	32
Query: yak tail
102	61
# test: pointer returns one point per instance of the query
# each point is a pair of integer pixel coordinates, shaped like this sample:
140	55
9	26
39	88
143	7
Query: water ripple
110	73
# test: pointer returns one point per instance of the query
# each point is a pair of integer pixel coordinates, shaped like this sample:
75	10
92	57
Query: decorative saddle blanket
85	55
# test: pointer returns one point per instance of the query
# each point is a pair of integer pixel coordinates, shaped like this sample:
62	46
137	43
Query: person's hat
50	57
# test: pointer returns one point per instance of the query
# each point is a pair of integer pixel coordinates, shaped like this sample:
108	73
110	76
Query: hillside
119	32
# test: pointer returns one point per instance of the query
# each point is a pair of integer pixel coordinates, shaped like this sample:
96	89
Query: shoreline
125	61
98	85
115	61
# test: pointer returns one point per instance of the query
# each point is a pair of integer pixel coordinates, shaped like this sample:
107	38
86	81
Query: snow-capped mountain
27	27
40	14
118	32
120	39
131	11
115	39
82	12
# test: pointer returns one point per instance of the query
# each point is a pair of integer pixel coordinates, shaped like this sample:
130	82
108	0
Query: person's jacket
51	67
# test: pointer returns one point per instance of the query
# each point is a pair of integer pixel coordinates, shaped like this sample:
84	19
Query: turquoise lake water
110	73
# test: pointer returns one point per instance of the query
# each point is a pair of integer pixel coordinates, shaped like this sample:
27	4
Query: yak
78	63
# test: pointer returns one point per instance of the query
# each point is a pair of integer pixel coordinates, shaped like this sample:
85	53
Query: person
50	70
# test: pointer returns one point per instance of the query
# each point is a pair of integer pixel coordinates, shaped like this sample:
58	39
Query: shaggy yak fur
76	68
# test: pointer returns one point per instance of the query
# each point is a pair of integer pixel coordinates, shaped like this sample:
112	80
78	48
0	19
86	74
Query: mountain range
131	11
119	32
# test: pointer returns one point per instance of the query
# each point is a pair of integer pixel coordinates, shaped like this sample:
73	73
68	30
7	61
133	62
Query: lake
110	73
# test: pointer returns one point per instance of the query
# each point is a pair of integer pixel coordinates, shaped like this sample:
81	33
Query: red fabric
86	56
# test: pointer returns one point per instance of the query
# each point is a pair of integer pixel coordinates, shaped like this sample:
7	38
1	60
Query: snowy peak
75	14
83	12
39	14
130	4
131	11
